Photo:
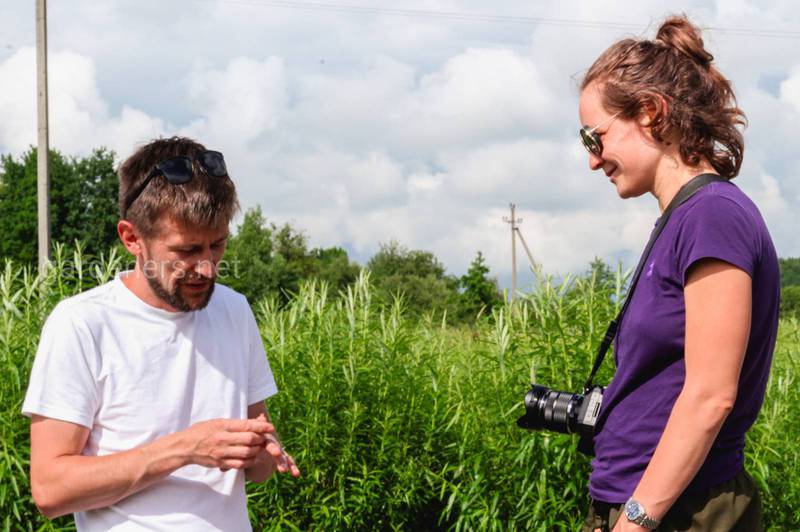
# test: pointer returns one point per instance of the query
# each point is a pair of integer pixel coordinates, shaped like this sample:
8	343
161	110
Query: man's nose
205	266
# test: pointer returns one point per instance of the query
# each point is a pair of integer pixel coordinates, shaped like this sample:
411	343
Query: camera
570	413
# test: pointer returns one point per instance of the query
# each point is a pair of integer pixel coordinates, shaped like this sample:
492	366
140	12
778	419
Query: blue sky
363	125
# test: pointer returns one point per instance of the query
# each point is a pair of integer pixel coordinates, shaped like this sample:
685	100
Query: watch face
632	510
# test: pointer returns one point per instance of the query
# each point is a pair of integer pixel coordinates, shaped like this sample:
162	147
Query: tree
264	259
602	273
790	301
416	275
479	292
333	266
790	272
291	261
246	265
83	203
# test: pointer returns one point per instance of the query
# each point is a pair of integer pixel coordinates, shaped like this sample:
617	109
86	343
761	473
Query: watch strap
641	519
647	522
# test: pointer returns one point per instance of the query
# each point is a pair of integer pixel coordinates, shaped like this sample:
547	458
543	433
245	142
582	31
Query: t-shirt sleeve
62	384
717	228
261	383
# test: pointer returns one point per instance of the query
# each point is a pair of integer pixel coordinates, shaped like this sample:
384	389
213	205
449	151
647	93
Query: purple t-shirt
718	222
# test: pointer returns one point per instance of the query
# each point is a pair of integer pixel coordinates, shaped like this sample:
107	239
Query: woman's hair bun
678	33
700	115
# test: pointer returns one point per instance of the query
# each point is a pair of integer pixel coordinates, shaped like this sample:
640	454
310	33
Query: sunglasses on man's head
178	170
591	139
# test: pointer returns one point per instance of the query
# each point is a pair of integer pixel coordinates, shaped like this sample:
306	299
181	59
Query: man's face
180	263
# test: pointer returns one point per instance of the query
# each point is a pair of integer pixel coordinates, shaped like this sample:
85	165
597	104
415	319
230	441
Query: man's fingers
291	466
283	460
247	442
286	465
274	449
249	425
241	451
236	463
259	426
242	438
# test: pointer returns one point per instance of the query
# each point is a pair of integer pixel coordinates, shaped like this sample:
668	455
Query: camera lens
557	415
550	410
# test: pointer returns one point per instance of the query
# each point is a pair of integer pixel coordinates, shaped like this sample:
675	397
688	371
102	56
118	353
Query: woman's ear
654	110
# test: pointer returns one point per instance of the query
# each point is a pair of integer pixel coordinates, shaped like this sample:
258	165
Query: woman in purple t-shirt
694	348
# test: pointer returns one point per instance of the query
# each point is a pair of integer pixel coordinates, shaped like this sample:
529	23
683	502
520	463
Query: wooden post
43	150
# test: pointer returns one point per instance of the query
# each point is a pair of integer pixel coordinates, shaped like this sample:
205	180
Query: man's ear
130	237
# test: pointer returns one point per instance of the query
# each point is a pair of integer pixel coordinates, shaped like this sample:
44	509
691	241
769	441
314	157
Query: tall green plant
400	422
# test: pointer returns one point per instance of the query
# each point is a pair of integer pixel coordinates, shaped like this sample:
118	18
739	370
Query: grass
403	424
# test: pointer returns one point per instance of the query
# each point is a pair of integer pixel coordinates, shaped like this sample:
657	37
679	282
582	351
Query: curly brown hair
204	201
701	112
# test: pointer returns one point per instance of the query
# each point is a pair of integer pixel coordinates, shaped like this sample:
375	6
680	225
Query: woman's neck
672	174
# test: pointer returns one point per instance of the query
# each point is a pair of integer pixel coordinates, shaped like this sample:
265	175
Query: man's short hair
204	201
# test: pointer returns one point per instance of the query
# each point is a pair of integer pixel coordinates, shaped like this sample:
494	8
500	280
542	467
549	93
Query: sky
362	122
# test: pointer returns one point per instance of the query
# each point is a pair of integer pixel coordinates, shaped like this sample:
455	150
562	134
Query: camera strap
686	192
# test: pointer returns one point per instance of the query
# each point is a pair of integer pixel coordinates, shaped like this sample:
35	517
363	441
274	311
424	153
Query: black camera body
569	413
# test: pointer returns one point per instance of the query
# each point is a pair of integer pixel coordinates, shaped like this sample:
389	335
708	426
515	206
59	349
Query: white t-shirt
132	373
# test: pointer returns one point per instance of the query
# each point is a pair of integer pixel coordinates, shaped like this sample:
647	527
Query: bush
402	423
790	302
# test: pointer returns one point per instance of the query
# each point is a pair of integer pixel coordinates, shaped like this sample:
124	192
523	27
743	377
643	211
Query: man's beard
175	299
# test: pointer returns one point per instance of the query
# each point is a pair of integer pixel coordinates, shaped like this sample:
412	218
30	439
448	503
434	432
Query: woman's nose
595	162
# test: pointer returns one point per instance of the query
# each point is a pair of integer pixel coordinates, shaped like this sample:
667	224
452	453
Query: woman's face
630	156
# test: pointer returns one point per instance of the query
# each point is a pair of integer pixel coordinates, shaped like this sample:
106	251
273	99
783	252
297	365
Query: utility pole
513	221
527	251
43	149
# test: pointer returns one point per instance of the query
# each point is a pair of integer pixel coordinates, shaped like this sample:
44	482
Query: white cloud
361	128
479	94
790	89
242	101
79	116
18	101
424	183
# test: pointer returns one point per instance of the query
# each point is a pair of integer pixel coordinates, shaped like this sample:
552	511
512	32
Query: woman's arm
718	299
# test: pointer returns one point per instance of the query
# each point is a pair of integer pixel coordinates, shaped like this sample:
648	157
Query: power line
488	17
453	15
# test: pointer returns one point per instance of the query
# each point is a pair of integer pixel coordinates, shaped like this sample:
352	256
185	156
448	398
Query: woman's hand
623	525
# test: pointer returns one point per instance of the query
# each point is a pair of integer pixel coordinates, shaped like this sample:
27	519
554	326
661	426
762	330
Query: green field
407	424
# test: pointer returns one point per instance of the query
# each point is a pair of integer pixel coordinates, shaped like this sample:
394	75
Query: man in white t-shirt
147	393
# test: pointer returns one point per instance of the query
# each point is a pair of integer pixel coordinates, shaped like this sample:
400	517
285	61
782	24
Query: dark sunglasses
591	139
178	170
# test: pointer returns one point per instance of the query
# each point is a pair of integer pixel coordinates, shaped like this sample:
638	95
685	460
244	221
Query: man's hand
283	461
64	481
228	443
271	456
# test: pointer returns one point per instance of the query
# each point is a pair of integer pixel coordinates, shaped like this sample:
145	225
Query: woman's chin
622	190
626	192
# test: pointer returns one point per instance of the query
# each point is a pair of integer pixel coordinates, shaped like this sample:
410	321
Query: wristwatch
636	513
